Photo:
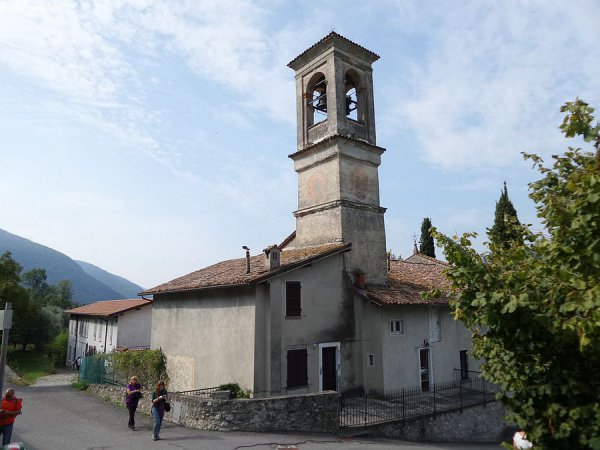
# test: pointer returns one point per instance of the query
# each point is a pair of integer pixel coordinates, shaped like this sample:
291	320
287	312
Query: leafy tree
57	350
504	232
534	306
36	281
427	246
12	291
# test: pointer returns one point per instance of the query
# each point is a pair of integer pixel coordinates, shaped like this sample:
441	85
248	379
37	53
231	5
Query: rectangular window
110	333
371	359
435	328
397	326
297	369
292	299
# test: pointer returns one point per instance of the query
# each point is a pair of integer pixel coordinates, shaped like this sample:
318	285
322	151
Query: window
371	359
297	373
435	329
397	326
110	333
292	299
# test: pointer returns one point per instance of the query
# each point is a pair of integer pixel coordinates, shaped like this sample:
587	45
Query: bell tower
337	158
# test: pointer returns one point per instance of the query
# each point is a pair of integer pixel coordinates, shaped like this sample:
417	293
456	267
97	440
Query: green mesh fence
98	369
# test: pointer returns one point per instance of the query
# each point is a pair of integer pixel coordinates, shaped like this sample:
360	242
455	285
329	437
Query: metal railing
360	409
205	392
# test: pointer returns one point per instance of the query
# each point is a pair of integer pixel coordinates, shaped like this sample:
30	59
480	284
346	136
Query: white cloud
494	77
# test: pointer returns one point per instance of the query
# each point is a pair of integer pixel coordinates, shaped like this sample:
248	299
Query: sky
151	138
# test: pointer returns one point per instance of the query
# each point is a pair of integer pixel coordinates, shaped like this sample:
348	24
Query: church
324	308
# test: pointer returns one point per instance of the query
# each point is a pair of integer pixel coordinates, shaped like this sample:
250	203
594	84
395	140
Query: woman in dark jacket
159	399
132	397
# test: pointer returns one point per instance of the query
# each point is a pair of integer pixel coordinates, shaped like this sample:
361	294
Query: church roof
408	279
107	308
233	272
331	39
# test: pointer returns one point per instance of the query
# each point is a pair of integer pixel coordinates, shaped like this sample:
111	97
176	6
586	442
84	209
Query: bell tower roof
337	40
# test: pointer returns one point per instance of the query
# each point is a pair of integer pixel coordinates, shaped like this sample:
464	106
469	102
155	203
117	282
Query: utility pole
5	325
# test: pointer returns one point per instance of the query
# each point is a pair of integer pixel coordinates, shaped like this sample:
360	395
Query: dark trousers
131	409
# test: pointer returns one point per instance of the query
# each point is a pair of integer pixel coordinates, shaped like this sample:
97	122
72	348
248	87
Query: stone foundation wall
307	412
476	424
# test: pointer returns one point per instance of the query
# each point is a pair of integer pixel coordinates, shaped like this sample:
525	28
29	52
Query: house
324	309
108	325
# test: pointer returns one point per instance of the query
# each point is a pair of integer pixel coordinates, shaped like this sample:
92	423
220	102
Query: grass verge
29	365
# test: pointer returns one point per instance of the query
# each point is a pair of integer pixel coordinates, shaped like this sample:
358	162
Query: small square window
397	326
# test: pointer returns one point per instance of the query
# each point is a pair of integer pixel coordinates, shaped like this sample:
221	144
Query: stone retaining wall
476	424
308	412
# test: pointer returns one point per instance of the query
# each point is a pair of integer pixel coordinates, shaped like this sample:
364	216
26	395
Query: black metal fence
360	409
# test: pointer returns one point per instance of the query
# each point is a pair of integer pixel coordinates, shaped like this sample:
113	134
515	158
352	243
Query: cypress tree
426	247
504	231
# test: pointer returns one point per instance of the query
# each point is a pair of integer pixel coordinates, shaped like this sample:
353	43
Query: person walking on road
132	397
159	402
10	409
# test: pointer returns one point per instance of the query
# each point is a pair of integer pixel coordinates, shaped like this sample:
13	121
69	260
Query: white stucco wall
208	336
91	332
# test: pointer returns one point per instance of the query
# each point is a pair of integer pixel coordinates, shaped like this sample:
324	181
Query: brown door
328	355
424	368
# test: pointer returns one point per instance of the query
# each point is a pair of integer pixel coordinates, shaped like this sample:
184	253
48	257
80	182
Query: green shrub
80	385
57	350
235	389
148	365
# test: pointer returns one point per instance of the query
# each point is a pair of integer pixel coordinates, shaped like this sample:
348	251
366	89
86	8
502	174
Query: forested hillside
58	267
120	284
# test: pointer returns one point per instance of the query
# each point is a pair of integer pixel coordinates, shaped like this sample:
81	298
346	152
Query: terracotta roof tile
109	307
332	37
233	272
407	280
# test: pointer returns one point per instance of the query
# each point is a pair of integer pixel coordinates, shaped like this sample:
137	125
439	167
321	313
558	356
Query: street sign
6	319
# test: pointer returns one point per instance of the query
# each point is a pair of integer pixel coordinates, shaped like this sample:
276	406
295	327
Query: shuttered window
297	374
292	299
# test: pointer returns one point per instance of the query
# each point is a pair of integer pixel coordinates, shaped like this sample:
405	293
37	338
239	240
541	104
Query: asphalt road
55	416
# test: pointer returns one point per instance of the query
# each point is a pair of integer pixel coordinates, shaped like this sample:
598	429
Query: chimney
272	257
247	258
359	280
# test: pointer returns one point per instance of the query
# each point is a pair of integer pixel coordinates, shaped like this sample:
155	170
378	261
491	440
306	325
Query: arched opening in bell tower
351	89
316	95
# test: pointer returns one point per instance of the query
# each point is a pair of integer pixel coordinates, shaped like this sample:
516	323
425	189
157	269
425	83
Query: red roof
408	279
233	272
109	307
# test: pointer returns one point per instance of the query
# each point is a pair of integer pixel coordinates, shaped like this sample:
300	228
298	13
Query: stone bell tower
337	157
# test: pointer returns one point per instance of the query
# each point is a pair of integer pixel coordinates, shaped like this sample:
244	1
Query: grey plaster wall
327	317
311	412
215	338
479	424
135	327
401	365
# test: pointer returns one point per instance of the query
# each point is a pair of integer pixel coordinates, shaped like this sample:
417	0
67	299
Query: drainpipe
76	336
105	332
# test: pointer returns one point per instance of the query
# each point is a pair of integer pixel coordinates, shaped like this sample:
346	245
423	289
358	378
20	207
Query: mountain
58	266
119	284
